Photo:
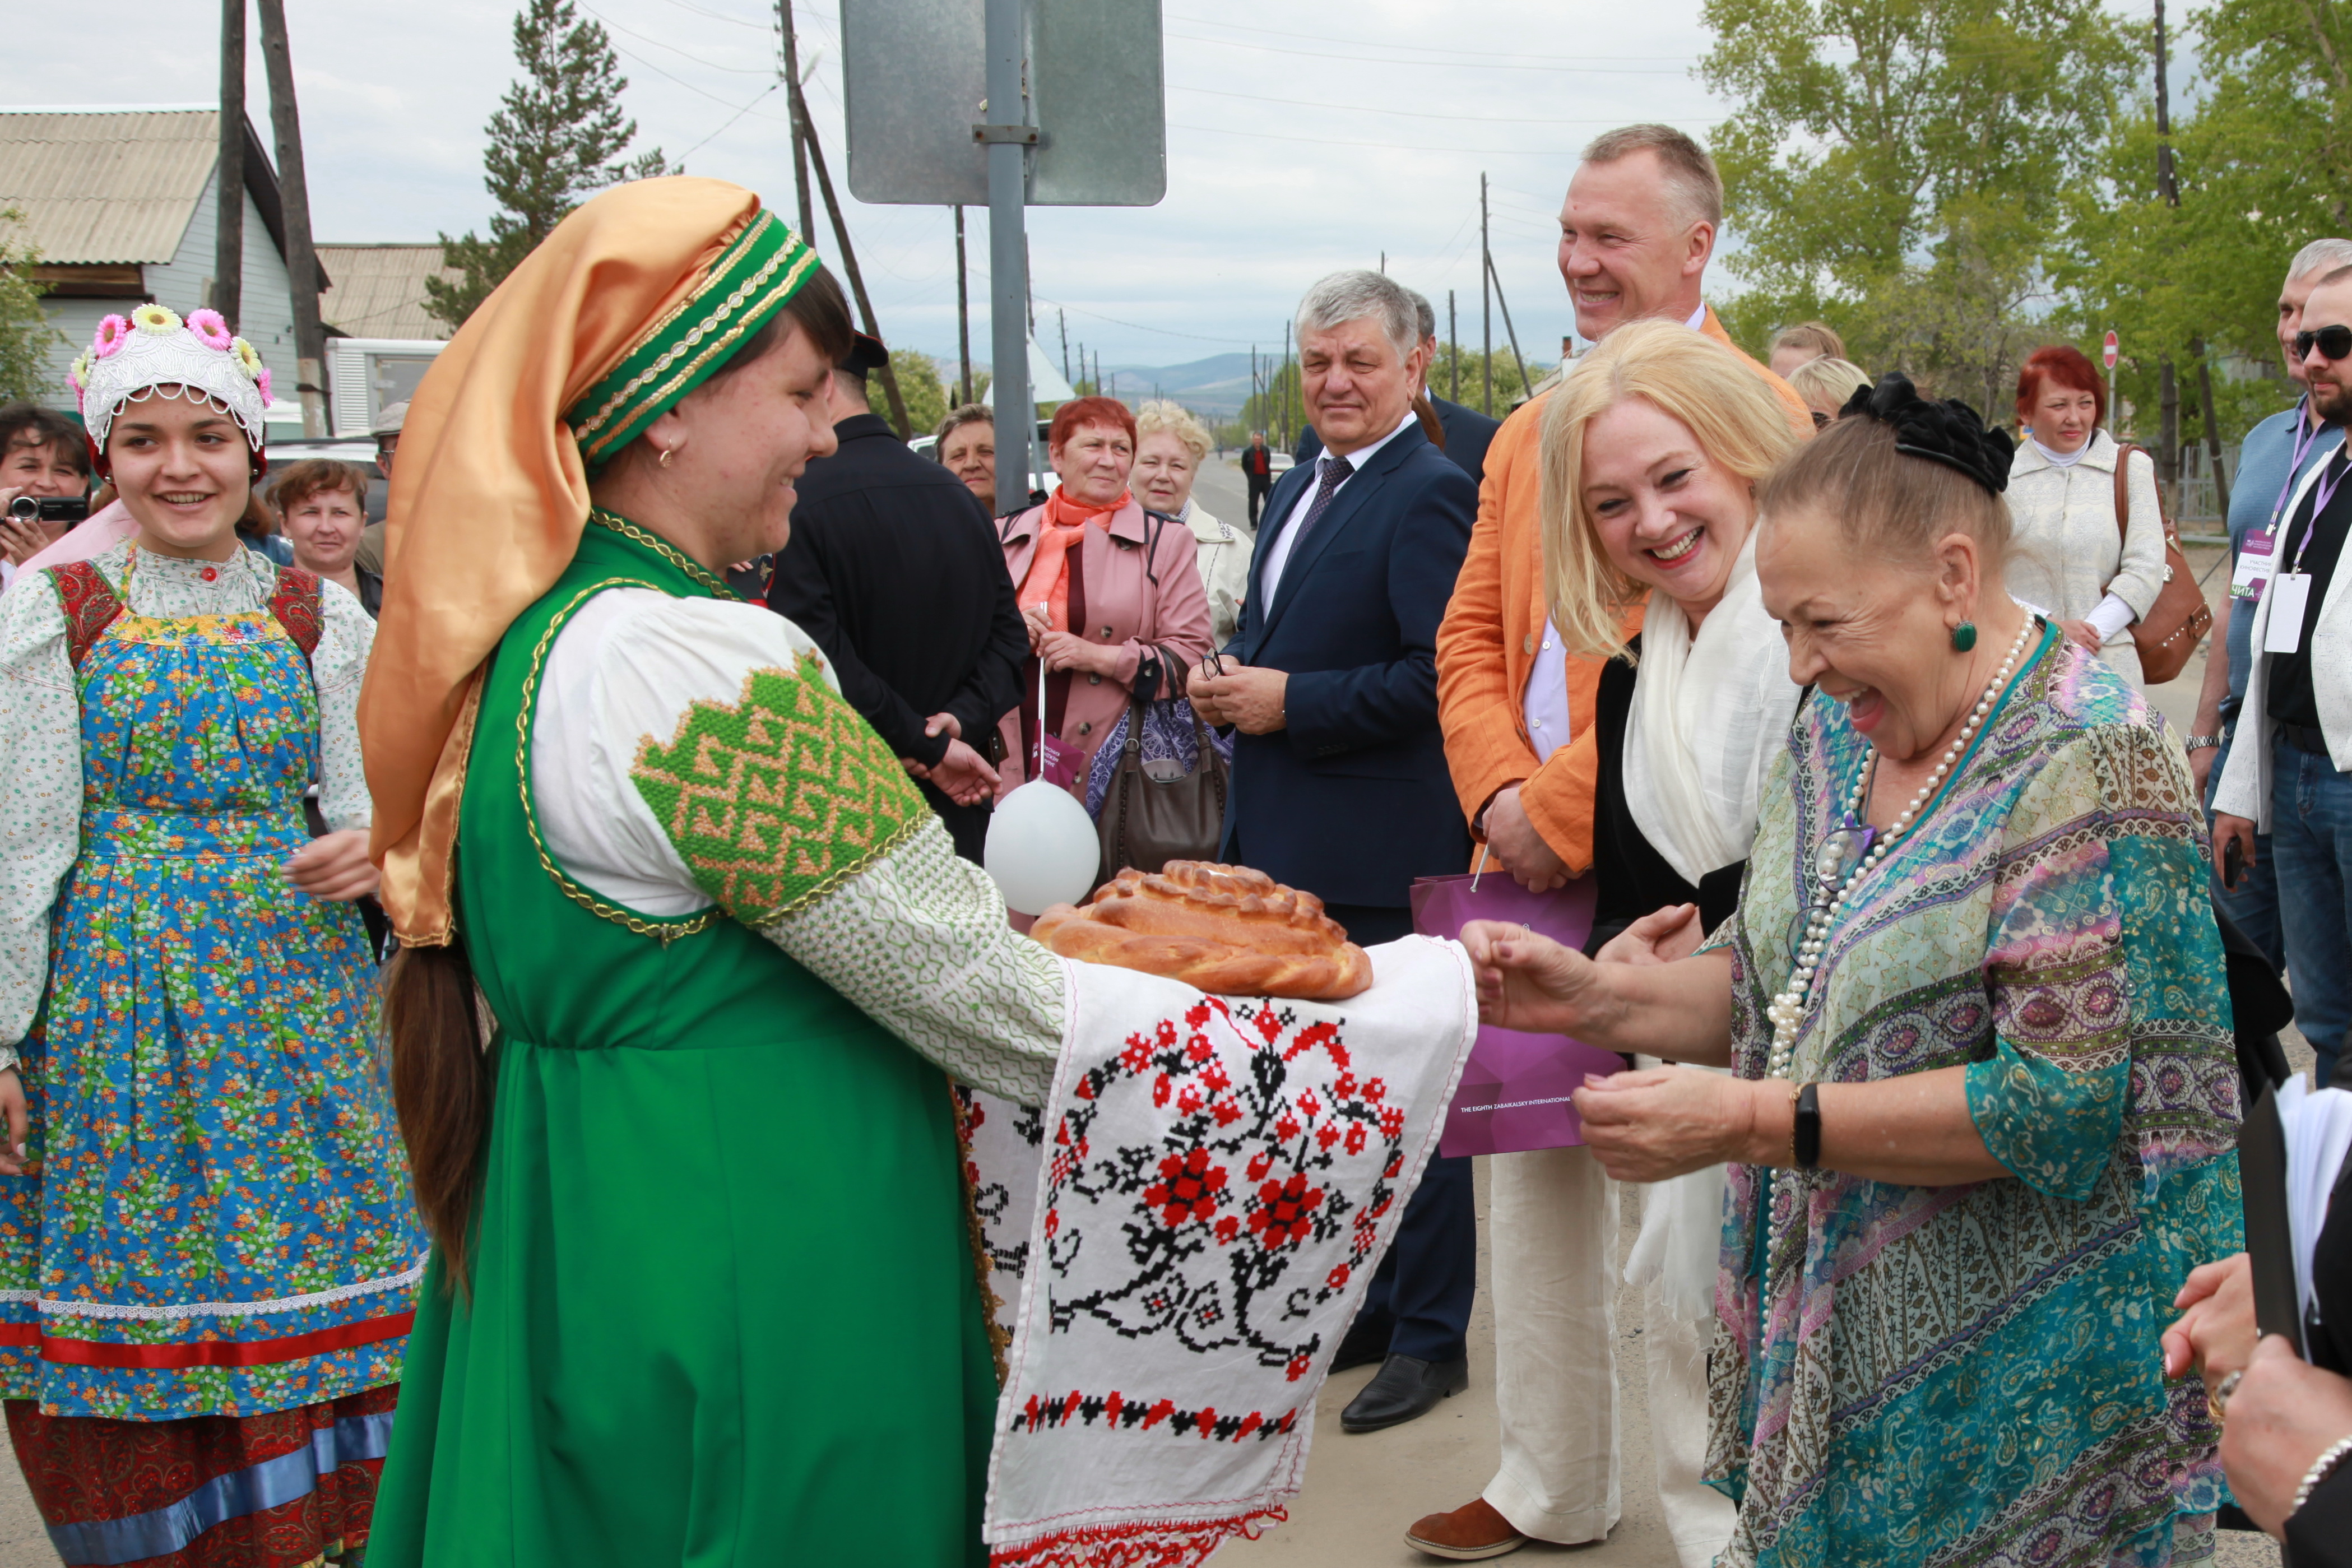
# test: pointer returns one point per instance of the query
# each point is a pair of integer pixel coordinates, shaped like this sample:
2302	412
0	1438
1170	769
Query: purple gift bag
1515	1087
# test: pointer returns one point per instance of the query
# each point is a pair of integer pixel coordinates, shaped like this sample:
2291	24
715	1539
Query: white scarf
2057	459
1709	714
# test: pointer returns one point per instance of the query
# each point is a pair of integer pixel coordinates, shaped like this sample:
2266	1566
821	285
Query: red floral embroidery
90	604
295	607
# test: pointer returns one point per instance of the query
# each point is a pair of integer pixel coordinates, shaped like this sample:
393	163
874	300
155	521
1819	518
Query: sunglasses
2333	342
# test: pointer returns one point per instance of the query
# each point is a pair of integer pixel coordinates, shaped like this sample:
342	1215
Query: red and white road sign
2109	352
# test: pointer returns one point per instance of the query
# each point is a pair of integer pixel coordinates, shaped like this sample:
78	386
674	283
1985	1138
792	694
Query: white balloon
1042	849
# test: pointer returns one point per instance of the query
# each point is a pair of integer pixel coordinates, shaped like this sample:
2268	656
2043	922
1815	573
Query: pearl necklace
1848	854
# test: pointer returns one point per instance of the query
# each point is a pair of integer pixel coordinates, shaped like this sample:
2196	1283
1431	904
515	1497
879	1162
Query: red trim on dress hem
206	1352
1157	1544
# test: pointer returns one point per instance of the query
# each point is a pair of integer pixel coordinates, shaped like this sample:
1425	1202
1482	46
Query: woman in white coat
1170	446
2068	555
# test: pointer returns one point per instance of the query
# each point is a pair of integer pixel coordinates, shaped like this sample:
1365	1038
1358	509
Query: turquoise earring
1964	637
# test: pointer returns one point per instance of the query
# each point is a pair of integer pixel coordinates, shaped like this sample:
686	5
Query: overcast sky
1301	137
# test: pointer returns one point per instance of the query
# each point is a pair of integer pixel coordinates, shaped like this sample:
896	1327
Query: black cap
866	356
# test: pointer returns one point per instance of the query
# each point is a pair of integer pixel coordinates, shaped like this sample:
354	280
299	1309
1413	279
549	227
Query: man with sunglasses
2298	697
2277	452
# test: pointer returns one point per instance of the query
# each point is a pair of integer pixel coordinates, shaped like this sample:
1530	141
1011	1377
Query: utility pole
1063	317
228	237
1453	342
1526	386
2168	439
1283	381
848	256
294	188
1485	310
963	310
793	98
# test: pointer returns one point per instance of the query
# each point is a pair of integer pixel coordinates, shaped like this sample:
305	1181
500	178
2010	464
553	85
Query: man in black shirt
2299	692
1257	472
893	569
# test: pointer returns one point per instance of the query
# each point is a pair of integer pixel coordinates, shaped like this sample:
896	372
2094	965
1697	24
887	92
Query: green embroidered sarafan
778	800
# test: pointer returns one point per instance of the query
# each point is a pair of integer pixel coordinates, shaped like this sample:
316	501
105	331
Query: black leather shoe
1405	1388
1363	1345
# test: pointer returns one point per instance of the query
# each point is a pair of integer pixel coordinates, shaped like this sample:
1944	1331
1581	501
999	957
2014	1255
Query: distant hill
1217	385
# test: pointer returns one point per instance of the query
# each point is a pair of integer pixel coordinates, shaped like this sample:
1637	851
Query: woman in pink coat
1100	582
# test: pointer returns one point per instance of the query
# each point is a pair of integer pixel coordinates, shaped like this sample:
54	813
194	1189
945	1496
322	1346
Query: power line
766	25
1383	109
1138	326
1416	49
1425	63
1413	146
664	44
738	114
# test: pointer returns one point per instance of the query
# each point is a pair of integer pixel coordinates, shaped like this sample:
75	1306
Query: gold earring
665	452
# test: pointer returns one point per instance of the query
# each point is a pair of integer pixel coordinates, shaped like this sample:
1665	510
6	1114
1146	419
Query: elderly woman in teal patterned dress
1984	1101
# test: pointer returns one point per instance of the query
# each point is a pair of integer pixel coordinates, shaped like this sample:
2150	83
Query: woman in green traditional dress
701	1292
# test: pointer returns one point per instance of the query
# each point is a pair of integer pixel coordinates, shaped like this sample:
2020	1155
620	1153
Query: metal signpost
2110	351
1008	103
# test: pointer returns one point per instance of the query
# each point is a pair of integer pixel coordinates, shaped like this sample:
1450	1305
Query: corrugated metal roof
117	186
379	290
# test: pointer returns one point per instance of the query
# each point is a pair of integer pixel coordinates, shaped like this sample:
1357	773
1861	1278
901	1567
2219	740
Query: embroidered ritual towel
1222	1175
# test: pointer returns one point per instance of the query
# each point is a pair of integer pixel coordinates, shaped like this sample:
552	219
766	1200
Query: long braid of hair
441	1089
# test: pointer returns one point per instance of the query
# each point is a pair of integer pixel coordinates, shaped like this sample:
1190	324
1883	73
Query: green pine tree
556	140
27	339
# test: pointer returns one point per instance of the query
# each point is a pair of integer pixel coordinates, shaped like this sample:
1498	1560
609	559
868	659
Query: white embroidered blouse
917	940
40	733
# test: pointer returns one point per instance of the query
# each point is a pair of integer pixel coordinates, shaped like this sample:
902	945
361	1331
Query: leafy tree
920	384
27	339
1904	168
556	140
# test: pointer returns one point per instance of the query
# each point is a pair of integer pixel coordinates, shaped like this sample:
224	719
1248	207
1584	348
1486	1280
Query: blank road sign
914	78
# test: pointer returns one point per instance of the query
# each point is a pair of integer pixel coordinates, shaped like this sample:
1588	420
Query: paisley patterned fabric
1970	1374
222	1226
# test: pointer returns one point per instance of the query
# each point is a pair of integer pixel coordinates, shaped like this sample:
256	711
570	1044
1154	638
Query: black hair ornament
1942	430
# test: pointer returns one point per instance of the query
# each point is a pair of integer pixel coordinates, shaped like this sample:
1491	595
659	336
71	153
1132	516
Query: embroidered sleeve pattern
778	800
339	664
40	813
919	943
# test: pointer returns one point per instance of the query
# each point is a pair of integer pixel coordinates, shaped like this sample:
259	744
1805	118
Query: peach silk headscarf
490	494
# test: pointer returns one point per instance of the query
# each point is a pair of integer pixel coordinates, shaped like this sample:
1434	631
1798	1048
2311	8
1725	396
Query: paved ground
1363	1491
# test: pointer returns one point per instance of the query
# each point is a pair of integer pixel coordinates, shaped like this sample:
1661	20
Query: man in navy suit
1467	431
1339	781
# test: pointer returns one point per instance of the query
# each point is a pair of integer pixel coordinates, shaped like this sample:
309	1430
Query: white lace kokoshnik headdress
155	350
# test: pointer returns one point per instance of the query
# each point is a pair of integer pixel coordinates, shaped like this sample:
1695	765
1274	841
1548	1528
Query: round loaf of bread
1225	928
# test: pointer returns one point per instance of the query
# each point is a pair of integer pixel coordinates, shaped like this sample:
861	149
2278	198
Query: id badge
1062	762
2289	593
2254	567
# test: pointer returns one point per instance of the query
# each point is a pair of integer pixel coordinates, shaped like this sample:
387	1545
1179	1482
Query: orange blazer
1486	646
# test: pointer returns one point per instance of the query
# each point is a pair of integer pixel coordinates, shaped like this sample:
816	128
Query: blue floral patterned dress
221	1227
1970	1374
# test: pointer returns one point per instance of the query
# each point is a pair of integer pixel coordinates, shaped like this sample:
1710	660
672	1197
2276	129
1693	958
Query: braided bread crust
1222	927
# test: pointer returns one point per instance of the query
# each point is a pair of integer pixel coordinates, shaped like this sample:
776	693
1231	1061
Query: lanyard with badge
2290	591
2258	554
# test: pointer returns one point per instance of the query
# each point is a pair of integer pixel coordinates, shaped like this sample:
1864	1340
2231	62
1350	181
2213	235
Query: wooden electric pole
1454	348
2168	437
1485	310
294	192
963	311
800	141
2168	185
229	235
848	256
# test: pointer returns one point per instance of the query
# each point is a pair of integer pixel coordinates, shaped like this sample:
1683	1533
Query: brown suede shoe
1469	1534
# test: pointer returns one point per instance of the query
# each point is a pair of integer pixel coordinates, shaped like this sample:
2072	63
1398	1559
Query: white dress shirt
1278	556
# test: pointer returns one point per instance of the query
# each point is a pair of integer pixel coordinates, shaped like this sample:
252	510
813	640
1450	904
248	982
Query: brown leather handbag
1155	812
2168	634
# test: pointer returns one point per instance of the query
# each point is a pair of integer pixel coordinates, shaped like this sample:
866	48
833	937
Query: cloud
1302	137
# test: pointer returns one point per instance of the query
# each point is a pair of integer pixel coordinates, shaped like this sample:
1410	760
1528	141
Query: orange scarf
1062	527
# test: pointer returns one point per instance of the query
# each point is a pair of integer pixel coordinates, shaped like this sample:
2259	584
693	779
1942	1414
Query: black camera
49	509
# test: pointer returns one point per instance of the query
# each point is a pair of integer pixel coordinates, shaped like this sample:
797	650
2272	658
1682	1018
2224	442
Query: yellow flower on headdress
247	358
155	319
80	374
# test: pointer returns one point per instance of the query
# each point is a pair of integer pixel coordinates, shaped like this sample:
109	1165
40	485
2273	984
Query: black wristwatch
1805	1136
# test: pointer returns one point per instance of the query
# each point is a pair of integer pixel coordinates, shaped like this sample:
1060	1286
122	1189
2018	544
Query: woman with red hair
2069	557
1102	584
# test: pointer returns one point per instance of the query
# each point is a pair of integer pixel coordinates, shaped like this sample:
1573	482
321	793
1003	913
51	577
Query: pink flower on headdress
210	327
262	380
110	333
